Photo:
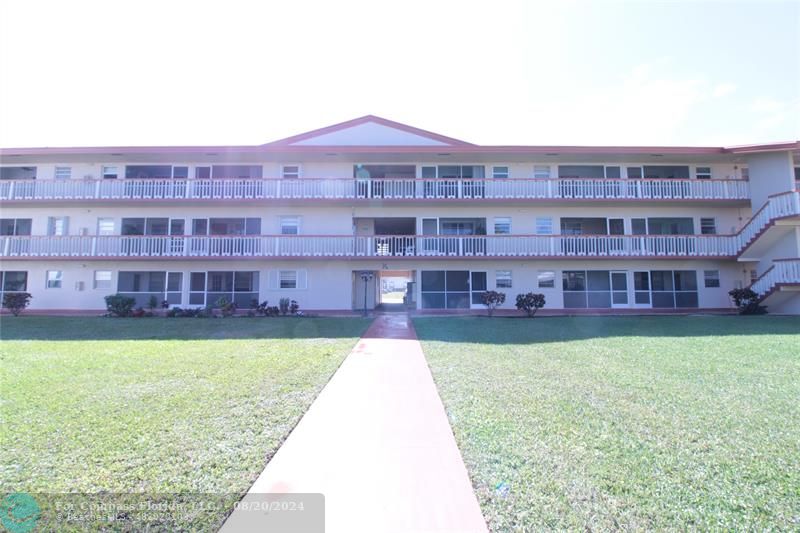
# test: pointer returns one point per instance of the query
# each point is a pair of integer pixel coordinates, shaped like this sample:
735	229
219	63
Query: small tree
530	303
152	303
294	307
16	302
119	305
283	304
747	300
492	299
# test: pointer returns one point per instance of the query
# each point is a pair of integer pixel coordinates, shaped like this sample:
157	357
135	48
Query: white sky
80	73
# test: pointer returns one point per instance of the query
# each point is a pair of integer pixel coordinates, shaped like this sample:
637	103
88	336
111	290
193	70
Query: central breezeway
377	444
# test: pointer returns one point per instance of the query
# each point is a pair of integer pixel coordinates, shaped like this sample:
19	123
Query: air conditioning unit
84	232
79	285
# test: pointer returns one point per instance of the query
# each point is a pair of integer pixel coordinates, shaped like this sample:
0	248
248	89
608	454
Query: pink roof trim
364	120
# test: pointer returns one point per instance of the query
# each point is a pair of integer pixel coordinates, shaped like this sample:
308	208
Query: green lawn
628	422
157	405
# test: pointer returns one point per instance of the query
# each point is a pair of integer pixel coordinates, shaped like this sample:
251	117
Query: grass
665	423
157	405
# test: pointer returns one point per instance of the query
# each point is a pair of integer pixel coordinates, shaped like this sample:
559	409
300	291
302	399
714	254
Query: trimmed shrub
16	302
492	299
747	300
152	303
119	305
530	303
226	308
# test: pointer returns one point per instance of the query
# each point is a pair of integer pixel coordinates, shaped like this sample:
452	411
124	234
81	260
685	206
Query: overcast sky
160	72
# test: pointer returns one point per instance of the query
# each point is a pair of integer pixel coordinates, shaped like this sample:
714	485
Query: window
57	226
670	226
613	173
590	288
290	172
105	226
547	279
236	171
13	281
226	226
753	275
544	226
708	226
145	226
503	279
445	289
148	172
711	278
15	226
54	278
63	173
287	279
666	172
703	173
141	286
290	225
500	172
102	279
110	173
676	288
745	173
541	172
502	225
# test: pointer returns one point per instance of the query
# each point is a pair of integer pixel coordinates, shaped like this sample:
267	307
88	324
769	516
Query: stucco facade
435	220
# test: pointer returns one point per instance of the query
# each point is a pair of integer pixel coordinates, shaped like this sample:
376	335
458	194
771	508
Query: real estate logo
19	512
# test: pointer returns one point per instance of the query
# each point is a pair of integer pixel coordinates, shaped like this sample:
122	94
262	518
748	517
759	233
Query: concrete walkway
378	445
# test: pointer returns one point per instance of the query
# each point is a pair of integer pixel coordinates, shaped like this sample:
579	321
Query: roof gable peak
369	130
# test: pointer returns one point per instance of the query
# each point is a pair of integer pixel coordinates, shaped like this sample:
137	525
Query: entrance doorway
396	290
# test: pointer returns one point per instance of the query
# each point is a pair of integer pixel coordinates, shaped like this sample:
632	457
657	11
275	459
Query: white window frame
57	281
98	284
62	173
52	226
539	225
702	175
502	220
105	170
713	225
291	175
542	172
113	225
713	276
503	279
292	276
289	218
541	276
501	174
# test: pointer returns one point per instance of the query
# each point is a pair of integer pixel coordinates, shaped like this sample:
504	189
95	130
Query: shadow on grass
160	328
512	330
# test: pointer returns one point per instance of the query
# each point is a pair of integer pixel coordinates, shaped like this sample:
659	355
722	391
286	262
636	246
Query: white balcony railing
783	271
368	246
397	189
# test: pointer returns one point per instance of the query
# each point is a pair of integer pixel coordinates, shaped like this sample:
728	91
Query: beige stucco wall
330	283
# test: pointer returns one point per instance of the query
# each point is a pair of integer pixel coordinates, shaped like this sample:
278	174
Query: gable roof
368	130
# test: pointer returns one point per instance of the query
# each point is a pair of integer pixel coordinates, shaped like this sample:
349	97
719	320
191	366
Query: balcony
391	190
356	247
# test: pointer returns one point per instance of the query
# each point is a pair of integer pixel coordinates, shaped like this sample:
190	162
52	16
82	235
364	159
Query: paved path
378	445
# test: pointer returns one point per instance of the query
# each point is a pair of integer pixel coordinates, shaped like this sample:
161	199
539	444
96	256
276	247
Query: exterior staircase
783	274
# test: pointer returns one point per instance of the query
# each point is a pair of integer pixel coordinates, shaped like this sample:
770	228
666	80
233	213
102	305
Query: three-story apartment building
435	221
